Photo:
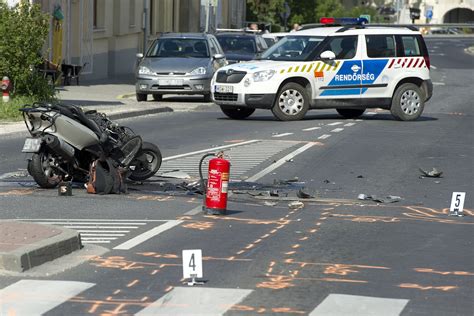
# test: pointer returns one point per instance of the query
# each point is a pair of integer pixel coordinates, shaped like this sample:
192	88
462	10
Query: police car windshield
179	47
293	48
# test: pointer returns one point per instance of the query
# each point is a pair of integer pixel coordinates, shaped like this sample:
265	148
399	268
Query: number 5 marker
457	204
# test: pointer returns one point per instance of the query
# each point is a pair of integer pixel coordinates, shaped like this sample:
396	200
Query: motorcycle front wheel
40	168
146	163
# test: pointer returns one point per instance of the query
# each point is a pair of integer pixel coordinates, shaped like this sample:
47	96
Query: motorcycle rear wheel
42	172
146	163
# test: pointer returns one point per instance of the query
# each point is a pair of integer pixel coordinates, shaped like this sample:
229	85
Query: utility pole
145	25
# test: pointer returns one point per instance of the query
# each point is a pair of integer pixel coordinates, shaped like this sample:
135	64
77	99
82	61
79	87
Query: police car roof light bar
363	26
344	21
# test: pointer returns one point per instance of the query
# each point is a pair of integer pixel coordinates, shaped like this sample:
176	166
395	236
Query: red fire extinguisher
217	185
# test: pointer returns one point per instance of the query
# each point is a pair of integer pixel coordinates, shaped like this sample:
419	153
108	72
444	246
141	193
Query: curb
123	115
38	252
126	95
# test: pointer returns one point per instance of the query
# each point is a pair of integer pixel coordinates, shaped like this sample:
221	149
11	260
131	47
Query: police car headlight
144	71
263	75
198	71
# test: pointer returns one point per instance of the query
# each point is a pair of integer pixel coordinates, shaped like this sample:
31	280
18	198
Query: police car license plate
170	82
224	89
32	145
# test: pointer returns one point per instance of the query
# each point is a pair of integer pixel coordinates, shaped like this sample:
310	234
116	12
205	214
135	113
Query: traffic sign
429	11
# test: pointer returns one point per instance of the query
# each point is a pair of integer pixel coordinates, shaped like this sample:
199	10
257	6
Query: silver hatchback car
178	63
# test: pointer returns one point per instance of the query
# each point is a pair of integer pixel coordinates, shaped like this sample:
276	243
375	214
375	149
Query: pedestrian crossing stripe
42	296
36	297
97	231
242	158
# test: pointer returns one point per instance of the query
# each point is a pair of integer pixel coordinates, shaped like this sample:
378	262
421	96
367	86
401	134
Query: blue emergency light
344	21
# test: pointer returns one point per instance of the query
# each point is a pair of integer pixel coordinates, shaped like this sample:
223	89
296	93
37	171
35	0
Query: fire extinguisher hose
203	186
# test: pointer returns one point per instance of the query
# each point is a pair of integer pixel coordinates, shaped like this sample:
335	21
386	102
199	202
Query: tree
264	10
329	8
23	32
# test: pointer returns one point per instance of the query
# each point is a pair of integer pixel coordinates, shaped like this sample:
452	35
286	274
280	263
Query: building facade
106	35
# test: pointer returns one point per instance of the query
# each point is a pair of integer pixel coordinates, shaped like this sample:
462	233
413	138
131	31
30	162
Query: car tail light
427	61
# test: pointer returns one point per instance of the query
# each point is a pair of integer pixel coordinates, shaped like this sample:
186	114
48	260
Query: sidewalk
116	98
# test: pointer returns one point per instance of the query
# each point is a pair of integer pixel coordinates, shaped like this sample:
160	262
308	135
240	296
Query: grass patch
9	110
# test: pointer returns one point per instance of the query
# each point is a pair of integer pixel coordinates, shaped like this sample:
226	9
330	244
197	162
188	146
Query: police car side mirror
218	56
139	55
328	55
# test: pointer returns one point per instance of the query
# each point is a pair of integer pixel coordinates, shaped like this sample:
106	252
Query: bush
9	110
23	32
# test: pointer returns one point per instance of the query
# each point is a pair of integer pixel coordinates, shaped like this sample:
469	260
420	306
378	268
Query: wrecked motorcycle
65	141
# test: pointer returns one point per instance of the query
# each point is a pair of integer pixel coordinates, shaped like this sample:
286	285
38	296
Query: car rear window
237	44
179	47
380	46
411	46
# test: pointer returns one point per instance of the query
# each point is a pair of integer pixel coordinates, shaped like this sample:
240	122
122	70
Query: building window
132	13
98	14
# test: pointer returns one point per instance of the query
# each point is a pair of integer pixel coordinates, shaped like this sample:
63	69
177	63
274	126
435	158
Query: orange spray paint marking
261	310
133	283
94	308
169	288
339	269
303	238
426	270
117	292
286	310
295	246
242	308
199	225
290	253
145	298
154	272
425	288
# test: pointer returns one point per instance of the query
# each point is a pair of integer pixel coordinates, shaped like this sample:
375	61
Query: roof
332	30
236	34
184	35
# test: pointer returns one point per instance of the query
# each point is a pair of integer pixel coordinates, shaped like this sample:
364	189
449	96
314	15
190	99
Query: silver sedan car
178	63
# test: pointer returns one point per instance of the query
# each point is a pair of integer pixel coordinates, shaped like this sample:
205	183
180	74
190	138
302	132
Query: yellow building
105	35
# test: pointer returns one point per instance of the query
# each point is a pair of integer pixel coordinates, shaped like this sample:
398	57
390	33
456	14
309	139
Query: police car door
339	79
377	73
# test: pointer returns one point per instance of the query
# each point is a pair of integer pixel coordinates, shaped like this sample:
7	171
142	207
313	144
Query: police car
348	68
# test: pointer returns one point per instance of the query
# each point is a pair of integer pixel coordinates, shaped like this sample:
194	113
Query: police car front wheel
292	102
407	102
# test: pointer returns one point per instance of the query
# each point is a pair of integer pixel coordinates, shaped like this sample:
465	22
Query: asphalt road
333	255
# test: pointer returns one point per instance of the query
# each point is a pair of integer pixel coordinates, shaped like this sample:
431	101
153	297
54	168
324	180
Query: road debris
176	174
296	205
360	177
303	195
388	199
433	173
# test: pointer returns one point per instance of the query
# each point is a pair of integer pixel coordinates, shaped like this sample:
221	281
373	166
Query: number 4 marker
192	265
457	204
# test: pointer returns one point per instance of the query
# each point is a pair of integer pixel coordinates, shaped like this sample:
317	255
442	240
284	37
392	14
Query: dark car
241	46
178	63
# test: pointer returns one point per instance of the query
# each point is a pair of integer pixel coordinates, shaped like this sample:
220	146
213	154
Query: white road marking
439	84
340	304
19	173
100	234
195	301
282	135
324	136
104	230
434	67
311	129
337	130
129	244
370	113
242	159
335	123
36	297
213	149
350	124
279	162
194	211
